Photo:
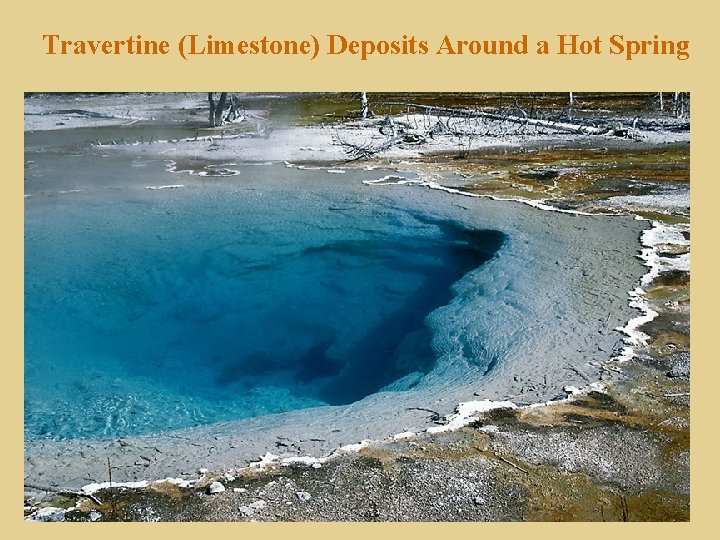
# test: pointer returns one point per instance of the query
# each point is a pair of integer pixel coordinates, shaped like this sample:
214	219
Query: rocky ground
615	452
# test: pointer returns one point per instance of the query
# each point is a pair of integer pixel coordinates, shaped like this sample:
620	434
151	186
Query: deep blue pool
154	310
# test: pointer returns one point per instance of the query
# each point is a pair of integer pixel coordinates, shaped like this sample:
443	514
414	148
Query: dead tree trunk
364	106
216	109
212	109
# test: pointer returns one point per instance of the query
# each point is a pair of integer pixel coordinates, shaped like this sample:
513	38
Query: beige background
27	68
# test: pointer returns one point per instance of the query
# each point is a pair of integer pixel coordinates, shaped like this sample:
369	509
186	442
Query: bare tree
218	116
216	109
681	104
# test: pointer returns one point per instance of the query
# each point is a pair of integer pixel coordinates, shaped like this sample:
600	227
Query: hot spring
151	308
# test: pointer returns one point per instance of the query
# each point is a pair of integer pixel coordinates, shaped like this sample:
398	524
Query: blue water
154	310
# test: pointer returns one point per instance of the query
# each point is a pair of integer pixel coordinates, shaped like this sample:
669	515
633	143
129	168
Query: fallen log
567	127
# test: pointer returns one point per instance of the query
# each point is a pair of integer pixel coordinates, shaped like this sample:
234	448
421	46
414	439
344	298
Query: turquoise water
150	310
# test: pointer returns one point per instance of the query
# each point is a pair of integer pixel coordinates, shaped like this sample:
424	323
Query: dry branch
511	463
364	151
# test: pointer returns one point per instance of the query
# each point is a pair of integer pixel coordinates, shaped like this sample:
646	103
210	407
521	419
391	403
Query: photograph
356	306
